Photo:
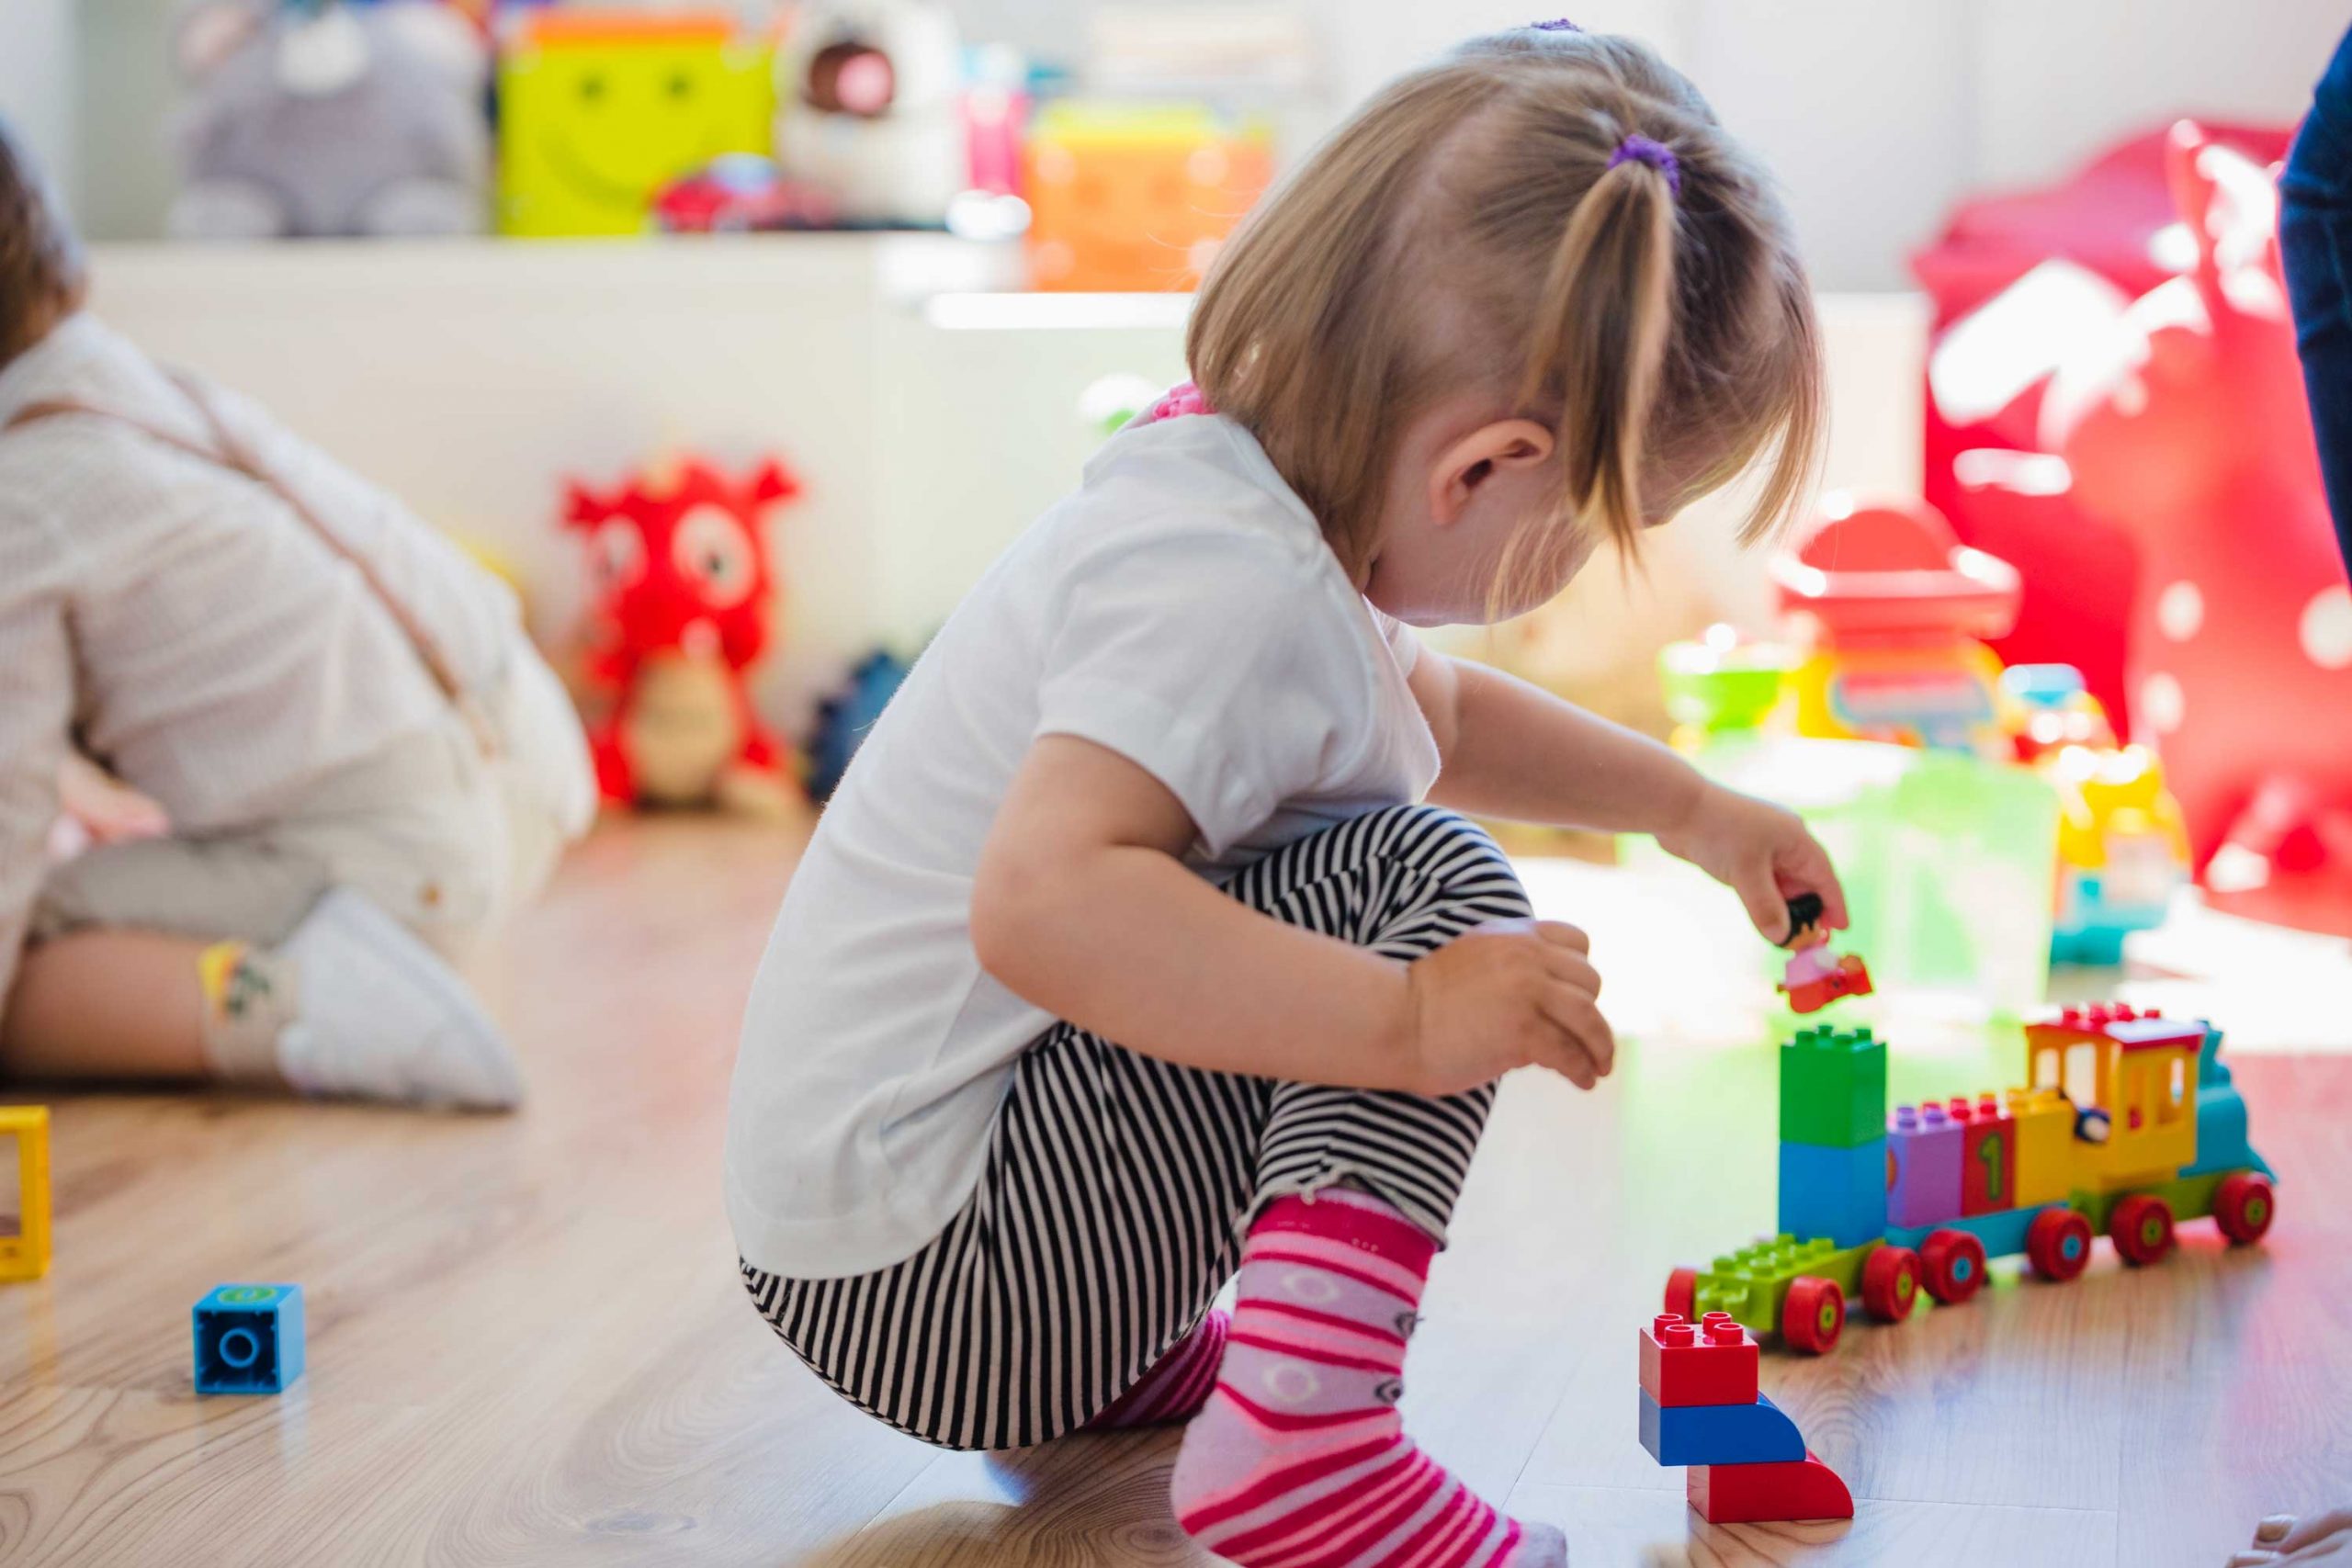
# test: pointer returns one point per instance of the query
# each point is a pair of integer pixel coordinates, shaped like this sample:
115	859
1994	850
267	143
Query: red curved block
1754	1493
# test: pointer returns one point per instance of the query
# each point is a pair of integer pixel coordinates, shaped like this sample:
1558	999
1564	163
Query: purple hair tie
1557	25
1640	149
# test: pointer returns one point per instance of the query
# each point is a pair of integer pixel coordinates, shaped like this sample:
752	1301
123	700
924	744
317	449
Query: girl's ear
1478	456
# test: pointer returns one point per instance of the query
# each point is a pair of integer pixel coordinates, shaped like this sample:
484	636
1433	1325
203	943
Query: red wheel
1813	1314
2058	1244
1954	1265
2141	1228
1890	1283
2242	1206
1682	1293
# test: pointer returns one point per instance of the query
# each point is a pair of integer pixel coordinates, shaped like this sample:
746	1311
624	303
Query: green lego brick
1833	1087
1753	1282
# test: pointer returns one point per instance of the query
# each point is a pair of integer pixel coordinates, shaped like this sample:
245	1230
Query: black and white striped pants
1118	1188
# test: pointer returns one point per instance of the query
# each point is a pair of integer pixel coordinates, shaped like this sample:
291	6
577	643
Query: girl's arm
1514	750
1081	905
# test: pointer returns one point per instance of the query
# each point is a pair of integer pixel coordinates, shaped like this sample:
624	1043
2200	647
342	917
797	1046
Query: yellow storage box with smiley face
598	110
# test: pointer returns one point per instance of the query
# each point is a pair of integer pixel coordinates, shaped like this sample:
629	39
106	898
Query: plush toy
323	117
869	107
681	567
2187	428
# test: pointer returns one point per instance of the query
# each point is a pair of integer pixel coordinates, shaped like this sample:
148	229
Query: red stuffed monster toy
680	561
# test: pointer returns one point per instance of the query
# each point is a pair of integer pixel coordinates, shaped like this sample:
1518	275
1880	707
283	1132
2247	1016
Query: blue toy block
2221	1141
1833	1193
248	1338
2003	1233
1718	1434
1924	1179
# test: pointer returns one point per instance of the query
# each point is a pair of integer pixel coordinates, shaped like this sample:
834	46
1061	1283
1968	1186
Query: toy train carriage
2106	1139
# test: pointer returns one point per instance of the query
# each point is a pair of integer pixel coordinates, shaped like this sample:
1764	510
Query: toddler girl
1126	954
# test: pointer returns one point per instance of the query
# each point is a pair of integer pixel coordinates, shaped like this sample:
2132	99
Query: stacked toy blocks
1834	1135
248	1338
24	1252
1701	1407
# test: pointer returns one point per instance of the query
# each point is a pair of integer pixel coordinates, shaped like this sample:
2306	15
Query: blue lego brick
1718	1434
248	1338
1839	1193
2003	1233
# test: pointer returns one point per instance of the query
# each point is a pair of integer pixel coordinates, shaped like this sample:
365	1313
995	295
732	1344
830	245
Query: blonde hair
1468	228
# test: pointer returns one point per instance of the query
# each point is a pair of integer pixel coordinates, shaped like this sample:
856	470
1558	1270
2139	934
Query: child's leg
1112	1206
251	957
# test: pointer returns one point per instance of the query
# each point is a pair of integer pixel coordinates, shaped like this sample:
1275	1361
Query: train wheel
1954	1262
2059	1243
1890	1283
1682	1293
1813	1314
2141	1228
2242	1206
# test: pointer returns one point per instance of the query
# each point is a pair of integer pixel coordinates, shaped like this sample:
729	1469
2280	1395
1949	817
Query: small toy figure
1814	976
870	109
684	585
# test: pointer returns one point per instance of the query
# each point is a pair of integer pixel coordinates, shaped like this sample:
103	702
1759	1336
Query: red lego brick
1711	1361
1988	1156
1757	1494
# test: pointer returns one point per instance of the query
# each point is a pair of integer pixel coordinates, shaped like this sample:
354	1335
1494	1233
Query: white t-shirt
1181	609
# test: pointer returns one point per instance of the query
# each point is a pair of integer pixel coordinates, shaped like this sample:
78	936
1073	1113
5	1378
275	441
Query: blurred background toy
314	117
870	109
741	193
845	718
1891	608
1137	195
2122	851
600	109
684	591
2188	428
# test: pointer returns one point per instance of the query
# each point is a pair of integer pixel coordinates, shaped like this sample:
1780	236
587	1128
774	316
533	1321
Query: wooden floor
527	1344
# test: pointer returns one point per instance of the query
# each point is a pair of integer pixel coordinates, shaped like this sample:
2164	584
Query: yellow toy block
2048	1170
598	110
25	1255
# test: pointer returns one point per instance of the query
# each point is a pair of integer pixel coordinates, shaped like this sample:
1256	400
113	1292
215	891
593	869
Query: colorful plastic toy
684	589
1814	976
1699	1406
25	1254
599	110
1891	608
2122	849
2129	1125
248	1338
1136	196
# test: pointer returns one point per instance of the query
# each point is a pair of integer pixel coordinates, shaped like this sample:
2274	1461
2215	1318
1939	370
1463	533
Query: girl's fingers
1562	934
1768	910
2312	1532
1571	1010
1572	968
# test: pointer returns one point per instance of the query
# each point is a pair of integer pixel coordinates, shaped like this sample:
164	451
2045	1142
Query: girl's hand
1761	851
1504	995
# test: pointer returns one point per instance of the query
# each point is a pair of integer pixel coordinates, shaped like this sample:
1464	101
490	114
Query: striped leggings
1118	1188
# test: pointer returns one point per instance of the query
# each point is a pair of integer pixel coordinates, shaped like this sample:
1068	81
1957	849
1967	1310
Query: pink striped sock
1178	1383
1299	1460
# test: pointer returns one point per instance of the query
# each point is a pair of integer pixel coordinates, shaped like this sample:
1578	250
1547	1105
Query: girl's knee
1454	854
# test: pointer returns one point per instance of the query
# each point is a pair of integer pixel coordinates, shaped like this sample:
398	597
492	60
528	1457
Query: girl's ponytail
1605	319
